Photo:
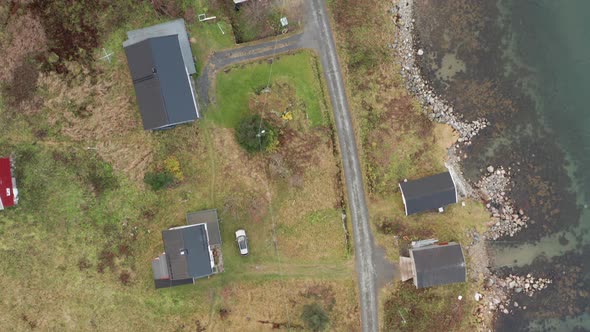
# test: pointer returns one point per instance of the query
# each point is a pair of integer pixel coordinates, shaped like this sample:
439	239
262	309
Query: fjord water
551	39
525	66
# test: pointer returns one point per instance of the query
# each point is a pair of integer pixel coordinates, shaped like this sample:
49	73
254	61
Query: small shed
434	265
429	193
160	61
8	190
190	252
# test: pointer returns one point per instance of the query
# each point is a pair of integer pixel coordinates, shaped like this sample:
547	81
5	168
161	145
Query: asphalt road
317	35
363	240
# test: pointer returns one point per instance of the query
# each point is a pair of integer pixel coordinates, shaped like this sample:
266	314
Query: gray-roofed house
429	193
160	61
190	252
434	265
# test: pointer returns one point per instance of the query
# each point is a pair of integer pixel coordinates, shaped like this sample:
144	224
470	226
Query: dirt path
332	271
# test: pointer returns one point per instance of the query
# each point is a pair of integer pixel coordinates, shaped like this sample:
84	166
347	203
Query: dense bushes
159	180
314	317
256	134
165	175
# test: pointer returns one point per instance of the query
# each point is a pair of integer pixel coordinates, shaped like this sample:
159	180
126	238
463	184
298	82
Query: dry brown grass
299	212
95	108
24	37
255	306
237	167
312	212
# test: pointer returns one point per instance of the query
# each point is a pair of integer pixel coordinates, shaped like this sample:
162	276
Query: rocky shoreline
500	289
493	188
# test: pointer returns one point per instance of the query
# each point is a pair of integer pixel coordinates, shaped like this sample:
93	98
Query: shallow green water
524	65
552	39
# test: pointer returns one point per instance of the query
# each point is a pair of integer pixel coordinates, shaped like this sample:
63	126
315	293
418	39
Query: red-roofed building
8	191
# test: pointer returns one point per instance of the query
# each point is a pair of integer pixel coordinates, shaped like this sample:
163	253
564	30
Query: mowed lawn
235	86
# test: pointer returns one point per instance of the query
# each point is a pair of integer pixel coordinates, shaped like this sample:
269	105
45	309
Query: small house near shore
429	193
434	264
190	252
8	190
161	61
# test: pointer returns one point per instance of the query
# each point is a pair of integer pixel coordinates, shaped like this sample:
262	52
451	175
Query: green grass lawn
209	37
235	87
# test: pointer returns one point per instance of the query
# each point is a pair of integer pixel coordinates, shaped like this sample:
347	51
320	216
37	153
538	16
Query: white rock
490	169
420	52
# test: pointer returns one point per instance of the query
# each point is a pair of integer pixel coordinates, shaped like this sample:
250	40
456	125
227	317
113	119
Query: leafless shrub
170	8
32	324
84	264
223	313
277	166
125	278
19	94
189	15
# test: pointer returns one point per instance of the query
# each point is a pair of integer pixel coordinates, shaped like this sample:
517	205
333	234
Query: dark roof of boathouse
428	193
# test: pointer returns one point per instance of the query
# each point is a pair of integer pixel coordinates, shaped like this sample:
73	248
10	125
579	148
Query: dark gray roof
438	265
177	28
210	218
163	88
187	252
428	193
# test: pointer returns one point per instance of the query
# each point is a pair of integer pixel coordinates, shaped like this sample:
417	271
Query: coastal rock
490	169
416	84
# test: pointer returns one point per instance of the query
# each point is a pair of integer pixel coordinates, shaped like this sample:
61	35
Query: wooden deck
406	268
